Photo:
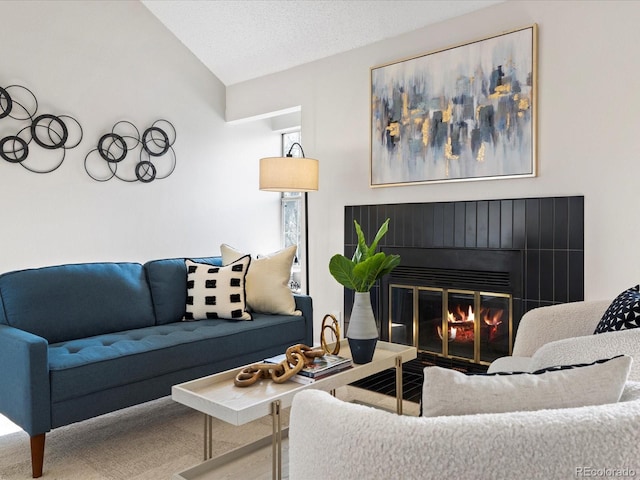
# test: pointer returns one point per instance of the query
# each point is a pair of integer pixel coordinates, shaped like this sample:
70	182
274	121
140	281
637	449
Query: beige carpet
145	442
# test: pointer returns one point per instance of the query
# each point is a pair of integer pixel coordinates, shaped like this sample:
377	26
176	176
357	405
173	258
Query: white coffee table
217	396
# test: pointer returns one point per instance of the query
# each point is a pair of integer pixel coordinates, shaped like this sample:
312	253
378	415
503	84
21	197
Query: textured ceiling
243	39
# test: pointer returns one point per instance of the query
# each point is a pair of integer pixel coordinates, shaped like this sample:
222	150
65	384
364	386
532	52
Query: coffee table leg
208	436
399	385
276	442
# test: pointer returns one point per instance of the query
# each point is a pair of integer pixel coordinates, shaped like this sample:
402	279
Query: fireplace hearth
470	270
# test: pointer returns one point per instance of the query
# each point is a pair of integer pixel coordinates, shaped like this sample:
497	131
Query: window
291	215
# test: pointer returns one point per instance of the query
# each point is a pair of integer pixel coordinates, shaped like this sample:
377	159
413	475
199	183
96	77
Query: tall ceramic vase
363	331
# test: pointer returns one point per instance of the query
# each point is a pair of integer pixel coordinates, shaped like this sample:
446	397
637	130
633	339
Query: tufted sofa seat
156	352
77	341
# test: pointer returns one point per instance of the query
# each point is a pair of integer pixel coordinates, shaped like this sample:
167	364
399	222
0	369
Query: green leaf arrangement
366	267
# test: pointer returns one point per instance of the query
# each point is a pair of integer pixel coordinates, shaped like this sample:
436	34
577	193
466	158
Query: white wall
106	61
588	141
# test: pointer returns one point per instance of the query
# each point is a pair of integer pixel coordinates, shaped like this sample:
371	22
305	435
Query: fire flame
452	333
461	322
460	316
494	319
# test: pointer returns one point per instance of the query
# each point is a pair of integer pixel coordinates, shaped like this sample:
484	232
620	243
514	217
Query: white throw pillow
217	292
268	280
449	392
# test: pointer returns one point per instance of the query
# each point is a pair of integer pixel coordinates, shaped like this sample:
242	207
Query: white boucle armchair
330	438
563	335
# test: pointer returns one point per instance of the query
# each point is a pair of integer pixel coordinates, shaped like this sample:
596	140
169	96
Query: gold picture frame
463	113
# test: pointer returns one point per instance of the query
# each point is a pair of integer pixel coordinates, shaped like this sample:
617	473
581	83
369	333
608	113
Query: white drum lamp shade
288	174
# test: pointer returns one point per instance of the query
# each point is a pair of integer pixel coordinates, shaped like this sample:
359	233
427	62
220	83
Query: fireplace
452	303
446	322
470	270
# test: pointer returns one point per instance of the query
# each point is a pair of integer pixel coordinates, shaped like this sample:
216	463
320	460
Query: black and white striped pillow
623	313
217	292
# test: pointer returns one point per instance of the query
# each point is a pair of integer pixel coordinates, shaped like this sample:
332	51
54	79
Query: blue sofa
77	341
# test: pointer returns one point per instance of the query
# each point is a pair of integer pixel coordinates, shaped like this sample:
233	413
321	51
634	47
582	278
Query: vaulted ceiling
243	39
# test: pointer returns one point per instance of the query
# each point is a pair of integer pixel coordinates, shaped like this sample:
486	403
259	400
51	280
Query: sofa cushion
84	366
623	313
217	292
449	392
67	302
168	282
268	280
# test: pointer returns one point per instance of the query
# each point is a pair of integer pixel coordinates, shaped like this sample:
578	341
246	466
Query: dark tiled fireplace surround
543	238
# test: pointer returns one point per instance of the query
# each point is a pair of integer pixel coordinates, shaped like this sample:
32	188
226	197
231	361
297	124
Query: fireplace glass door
401	327
430	304
495	326
468	325
459	325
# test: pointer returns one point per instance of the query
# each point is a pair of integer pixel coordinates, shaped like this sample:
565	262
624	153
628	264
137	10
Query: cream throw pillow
449	392
267	280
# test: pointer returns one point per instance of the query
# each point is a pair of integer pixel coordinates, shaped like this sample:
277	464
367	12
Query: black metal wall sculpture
20	125
156	161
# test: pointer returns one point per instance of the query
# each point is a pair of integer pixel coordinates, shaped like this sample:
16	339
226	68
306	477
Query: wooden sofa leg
37	454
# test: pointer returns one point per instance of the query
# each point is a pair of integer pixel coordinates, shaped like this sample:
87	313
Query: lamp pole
306	223
306	240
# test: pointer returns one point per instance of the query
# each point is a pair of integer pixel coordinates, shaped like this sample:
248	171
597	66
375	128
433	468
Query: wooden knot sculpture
297	356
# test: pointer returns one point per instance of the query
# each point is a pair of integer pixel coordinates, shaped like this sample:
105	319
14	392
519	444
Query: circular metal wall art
112	147
13	149
114	155
54	133
5	103
54	128
155	142
145	171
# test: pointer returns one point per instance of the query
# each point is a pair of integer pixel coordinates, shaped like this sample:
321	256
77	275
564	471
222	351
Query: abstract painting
463	113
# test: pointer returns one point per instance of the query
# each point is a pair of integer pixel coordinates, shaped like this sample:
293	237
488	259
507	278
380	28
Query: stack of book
320	368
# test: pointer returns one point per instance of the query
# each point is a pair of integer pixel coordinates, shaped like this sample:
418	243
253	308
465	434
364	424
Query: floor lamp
292	174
